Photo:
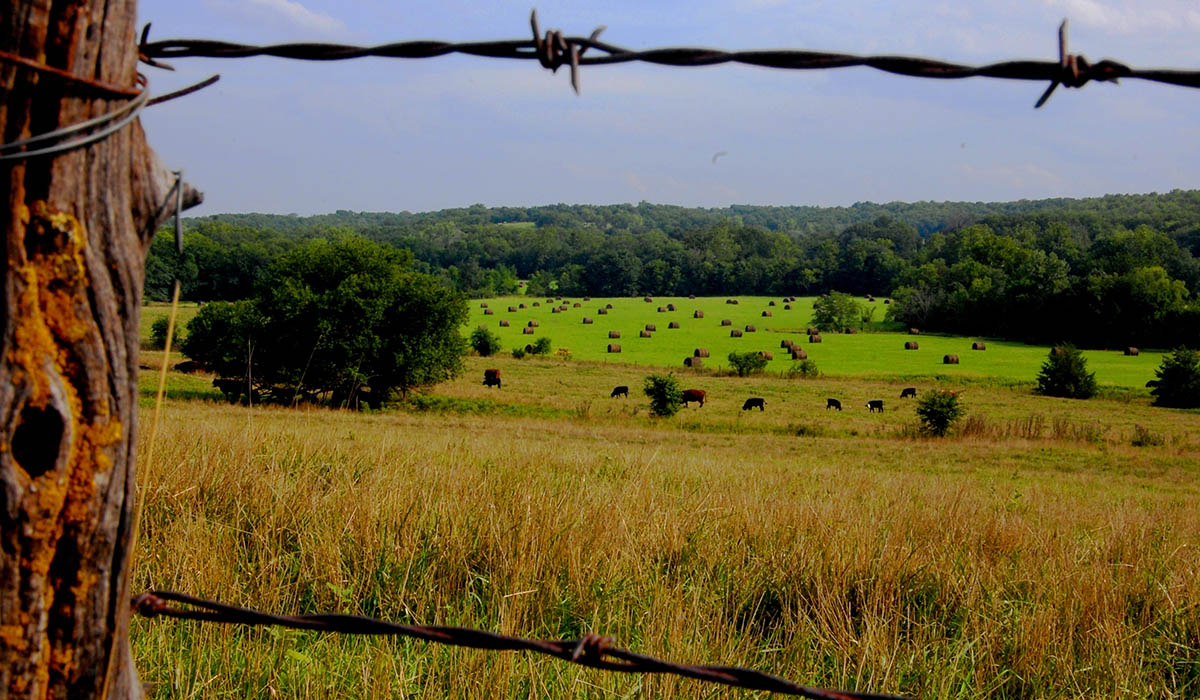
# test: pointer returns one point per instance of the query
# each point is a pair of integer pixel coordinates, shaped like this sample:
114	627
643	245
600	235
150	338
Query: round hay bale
1131	351
799	354
814	338
670	307
587	298
533	324
512	308
978	346
771	303
645	334
483	305
887	301
914	331
602	311
691	296
911	345
786	343
673	324
575	305
871	299
488	312
851	331
787	307
587	320
520	306
814	331
527	331
662	309
697	314
504	323
693	362
550	301
768	356
556	310
949	359
613	347
750	329
726	322
647	299
614	334
537	303
700	352
528	349
735	333
766	314
608	306
651	327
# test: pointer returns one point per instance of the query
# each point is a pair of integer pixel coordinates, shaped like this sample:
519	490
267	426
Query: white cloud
288	12
1131	16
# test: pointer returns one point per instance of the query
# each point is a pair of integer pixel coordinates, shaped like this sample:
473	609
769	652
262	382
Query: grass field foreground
830	548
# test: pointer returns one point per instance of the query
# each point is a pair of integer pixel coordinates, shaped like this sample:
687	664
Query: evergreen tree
1178	380
1065	374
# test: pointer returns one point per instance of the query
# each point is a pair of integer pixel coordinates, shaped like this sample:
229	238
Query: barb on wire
592	650
555	50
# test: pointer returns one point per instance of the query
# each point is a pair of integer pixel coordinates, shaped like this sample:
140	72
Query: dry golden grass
999	565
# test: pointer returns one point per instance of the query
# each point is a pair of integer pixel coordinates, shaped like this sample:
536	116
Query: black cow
833	403
909	393
619	391
875	405
754	402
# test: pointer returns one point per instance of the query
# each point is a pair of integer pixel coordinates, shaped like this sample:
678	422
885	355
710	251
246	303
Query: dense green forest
1108	271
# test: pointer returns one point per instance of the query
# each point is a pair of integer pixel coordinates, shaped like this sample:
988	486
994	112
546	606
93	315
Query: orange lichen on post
52	331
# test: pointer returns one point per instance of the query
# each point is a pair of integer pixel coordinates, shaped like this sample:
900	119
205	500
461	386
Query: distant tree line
1108	271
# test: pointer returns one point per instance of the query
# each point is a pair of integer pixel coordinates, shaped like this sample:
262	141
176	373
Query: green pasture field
868	354
1046	550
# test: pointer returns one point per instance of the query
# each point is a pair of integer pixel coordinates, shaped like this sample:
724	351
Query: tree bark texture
76	233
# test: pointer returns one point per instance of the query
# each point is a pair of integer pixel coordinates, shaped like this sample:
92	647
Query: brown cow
690	395
491	377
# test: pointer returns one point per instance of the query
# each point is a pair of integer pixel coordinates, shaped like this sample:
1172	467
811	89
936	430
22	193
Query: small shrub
806	369
1142	437
747	363
158	334
1178	380
938	411
485	342
541	346
666	398
518	353
1065	374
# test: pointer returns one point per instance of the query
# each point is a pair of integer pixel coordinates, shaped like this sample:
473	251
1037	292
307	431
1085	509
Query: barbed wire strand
100	127
592	650
554	50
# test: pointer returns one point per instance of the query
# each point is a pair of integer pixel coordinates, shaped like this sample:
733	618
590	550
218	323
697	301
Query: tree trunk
76	233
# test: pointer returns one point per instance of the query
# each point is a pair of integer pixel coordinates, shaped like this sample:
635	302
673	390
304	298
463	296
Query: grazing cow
875	405
189	366
491	377
833	403
697	395
754	402
909	393
619	391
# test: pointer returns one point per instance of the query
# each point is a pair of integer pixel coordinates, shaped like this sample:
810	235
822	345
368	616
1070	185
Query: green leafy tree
666	398
336	318
158	334
484	342
938	411
541	346
836	312
1177	383
747	363
1065	374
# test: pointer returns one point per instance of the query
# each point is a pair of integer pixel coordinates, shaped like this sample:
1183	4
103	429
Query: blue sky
388	135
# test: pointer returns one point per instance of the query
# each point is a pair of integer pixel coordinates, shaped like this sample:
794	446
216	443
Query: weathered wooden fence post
76	231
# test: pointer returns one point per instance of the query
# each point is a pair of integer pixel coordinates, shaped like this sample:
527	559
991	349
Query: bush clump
1177	383
158	334
666	398
485	342
1065	374
747	363
541	346
518	353
938	411
806	369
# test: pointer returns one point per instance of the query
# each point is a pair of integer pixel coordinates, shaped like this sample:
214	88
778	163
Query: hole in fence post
36	440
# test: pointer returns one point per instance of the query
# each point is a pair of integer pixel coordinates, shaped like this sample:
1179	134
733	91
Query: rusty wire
592	650
554	50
